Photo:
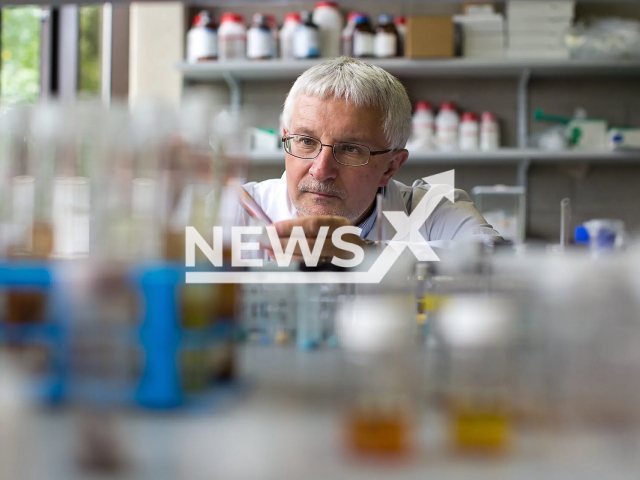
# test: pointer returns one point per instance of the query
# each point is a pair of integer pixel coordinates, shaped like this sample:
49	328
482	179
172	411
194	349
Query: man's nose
324	166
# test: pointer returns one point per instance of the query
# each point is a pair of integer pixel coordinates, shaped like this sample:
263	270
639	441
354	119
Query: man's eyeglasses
308	148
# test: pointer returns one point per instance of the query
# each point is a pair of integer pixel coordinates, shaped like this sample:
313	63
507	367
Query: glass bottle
260	39
363	38
387	43
306	40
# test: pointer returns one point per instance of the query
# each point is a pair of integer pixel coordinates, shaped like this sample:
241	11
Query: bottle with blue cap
306	39
386	41
363	38
602	235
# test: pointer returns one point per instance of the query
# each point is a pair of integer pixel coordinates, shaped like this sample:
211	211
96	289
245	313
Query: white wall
156	44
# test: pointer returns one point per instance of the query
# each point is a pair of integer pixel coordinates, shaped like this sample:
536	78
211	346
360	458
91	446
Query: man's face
322	186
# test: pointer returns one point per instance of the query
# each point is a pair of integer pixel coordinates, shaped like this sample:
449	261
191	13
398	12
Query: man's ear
397	160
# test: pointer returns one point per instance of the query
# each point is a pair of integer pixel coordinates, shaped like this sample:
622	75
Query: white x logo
408	227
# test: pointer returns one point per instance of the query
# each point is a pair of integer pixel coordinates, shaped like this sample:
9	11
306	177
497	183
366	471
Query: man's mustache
310	185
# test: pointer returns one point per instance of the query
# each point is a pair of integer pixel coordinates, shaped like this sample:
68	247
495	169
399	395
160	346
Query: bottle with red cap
330	22
202	39
291	22
489	132
422	126
469	132
232	37
447	126
401	27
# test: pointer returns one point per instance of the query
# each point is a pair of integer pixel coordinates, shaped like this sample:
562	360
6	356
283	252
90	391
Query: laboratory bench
283	421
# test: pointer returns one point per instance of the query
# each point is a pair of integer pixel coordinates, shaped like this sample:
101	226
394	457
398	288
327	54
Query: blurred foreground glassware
376	335
478	333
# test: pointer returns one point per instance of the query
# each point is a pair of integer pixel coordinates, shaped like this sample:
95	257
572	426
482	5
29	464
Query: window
20	72
89	49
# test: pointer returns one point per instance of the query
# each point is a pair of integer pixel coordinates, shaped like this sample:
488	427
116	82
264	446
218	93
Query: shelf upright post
523	108
235	90
523	135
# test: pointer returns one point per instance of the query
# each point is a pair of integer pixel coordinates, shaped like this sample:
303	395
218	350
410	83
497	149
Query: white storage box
540	8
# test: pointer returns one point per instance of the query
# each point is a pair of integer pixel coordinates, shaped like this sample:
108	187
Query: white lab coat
448	221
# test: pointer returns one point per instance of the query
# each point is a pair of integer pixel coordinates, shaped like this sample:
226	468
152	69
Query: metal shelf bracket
235	91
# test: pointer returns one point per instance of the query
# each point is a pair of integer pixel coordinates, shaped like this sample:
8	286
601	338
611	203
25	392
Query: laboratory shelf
279	69
502	156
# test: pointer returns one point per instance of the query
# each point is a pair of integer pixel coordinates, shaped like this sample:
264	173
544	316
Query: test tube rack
157	334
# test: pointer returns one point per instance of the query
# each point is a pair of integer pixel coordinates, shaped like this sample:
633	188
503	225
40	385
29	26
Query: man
346	124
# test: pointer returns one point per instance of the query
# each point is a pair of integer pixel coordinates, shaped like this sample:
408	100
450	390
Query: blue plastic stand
160	339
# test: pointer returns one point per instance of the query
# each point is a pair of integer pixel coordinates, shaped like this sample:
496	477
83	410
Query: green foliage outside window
89	49
20	68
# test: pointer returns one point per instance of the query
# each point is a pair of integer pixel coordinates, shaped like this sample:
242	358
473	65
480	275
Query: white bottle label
259	43
489	137
202	43
447	137
468	136
363	44
306	43
386	45
232	47
286	40
423	134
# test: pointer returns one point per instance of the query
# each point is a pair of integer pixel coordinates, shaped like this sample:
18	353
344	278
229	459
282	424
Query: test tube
30	186
565	222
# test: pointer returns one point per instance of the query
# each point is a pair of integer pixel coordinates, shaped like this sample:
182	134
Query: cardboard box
429	37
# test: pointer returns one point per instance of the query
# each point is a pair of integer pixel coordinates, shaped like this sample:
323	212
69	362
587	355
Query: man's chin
320	208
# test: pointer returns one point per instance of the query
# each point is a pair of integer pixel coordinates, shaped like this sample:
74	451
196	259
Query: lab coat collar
392	200
280	207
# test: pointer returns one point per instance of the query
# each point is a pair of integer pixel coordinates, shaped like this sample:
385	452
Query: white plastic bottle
291	22
330	22
259	38
202	39
447	125
422	125
306	39
232	37
469	132
489	132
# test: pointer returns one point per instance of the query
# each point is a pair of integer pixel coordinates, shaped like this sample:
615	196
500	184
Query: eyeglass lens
345	153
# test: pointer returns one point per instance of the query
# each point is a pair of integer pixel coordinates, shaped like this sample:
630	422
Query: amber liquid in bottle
26	306
379	428
480	428
225	311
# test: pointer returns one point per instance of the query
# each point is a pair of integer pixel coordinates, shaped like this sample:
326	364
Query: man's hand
311	226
